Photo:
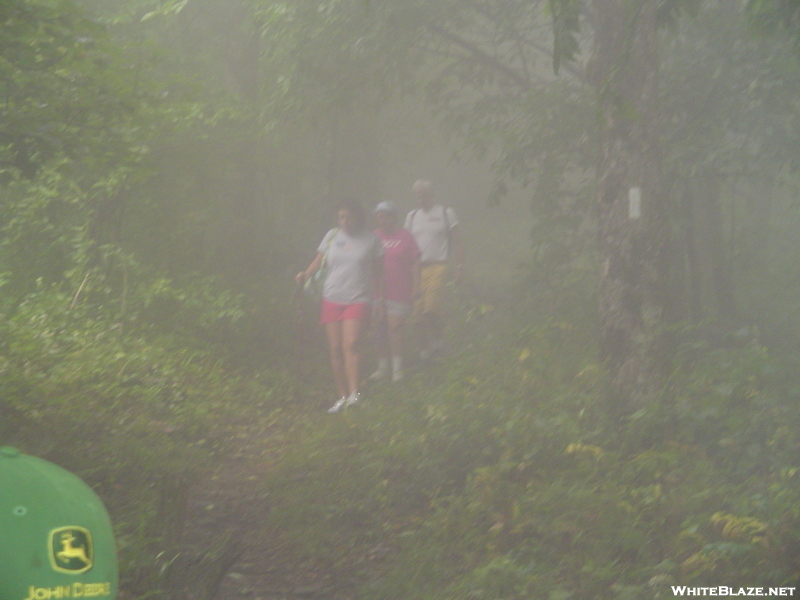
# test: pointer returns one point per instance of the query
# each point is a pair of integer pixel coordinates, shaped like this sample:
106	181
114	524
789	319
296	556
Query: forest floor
233	499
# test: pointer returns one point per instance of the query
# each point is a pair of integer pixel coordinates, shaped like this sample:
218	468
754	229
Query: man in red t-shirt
401	269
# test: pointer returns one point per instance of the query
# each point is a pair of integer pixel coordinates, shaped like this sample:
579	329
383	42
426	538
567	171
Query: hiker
401	268
435	229
352	258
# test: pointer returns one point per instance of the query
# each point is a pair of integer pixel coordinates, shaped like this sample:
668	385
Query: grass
492	475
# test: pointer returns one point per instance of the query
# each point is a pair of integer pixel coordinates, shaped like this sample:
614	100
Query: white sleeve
409	219
323	245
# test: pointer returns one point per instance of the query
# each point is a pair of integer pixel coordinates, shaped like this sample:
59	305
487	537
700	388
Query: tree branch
523	81
483	56
548	52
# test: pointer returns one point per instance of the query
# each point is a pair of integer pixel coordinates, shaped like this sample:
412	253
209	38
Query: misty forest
615	411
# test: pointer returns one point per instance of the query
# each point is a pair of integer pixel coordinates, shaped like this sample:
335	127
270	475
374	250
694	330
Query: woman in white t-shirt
353	256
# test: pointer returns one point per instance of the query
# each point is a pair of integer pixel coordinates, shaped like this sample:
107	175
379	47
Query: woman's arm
303	276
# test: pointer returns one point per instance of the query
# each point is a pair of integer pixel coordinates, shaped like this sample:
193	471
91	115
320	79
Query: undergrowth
142	413
497	475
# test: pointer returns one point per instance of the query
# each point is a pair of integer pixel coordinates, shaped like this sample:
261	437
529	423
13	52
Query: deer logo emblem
71	550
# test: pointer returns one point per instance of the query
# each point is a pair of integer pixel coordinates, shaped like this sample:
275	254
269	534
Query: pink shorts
331	311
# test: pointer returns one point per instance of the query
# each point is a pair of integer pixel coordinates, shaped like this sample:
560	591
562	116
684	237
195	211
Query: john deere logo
71	550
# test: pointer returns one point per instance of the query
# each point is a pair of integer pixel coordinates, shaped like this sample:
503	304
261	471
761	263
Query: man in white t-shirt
435	229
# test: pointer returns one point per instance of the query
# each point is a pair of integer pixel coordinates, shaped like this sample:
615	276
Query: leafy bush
498	479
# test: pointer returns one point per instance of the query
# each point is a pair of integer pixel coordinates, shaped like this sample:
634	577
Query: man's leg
432	321
396	344
382	350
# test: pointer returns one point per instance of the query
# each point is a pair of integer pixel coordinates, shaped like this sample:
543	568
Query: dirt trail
231	503
234	500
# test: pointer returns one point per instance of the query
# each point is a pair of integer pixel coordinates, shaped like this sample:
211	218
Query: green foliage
565	16
670	11
497	475
771	15
68	92
502	479
566	26
134	409
58	351
49	63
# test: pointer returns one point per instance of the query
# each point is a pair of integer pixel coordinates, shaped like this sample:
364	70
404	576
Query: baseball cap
57	540
385	206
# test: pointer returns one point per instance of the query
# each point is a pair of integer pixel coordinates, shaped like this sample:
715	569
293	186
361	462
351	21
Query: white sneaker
353	398
337	406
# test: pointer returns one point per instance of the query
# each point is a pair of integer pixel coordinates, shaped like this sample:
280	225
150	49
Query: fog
585	389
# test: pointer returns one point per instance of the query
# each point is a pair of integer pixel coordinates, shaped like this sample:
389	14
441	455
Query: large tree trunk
632	225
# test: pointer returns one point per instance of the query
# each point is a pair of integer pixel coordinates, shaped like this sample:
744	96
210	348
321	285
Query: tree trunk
632	224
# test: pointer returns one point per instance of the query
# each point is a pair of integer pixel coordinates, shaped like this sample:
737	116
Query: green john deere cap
56	540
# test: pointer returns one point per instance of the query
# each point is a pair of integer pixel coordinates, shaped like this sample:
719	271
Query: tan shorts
432	284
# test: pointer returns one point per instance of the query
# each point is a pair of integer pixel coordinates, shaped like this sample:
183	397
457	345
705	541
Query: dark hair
356	209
